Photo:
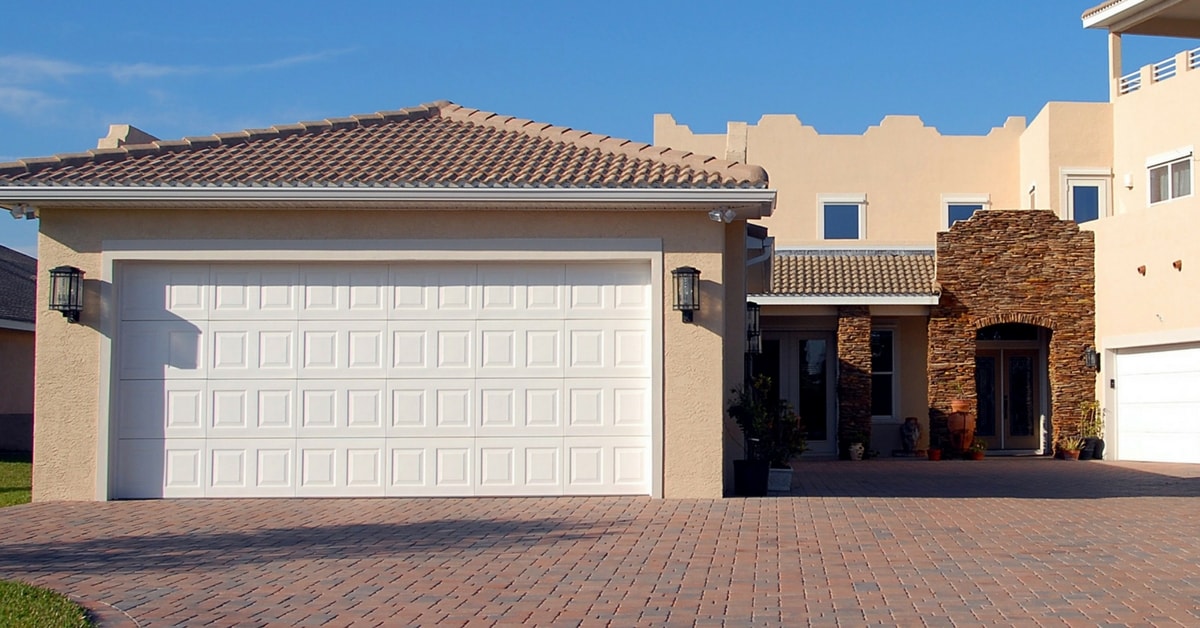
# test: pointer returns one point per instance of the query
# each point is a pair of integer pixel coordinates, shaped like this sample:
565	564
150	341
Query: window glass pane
841	222
1158	184
957	211
881	351
1085	203
881	395
1181	178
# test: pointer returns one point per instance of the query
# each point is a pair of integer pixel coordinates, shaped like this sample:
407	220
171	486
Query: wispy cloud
23	102
22	69
26	69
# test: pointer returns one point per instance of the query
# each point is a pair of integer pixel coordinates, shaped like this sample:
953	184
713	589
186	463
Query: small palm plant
772	430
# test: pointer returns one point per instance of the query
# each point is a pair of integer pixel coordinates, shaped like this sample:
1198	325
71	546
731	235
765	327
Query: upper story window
1170	175
1086	194
956	207
842	216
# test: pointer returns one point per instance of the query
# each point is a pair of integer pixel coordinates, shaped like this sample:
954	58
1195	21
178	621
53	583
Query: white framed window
1086	194
956	207
1170	175
842	216
883	375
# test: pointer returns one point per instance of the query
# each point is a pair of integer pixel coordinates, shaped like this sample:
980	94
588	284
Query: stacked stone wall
1013	266
854	373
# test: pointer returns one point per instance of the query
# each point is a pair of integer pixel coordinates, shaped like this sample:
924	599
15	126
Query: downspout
768	251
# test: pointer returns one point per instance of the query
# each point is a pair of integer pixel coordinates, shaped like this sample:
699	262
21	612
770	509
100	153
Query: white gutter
921	299
768	246
749	203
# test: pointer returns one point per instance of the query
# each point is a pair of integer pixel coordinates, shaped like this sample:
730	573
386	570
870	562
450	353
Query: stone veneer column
1013	266
854	372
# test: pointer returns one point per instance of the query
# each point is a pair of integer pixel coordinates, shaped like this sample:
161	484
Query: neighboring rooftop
18	286
829	272
439	144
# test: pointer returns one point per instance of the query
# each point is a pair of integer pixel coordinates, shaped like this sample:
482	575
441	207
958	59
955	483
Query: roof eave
6	323
888	299
1122	15
748	203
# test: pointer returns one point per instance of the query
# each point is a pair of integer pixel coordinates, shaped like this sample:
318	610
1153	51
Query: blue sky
180	69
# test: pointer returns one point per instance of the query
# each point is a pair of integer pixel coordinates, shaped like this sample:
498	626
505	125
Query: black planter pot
1098	449
1085	452
750	477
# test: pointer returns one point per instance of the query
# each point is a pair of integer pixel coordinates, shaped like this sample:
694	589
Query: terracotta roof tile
18	286
434	145
852	273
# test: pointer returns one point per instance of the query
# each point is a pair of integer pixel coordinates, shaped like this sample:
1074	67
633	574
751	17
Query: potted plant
960	404
935	450
977	450
856	443
1091	427
773	436
1069	446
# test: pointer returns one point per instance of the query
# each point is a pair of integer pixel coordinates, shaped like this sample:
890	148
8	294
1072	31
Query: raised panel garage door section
1158	404
401	379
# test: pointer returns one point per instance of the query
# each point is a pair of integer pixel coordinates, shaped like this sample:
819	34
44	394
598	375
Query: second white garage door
384	379
1158	404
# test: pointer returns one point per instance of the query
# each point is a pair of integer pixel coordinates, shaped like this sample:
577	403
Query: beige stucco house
431	301
17	313
903	268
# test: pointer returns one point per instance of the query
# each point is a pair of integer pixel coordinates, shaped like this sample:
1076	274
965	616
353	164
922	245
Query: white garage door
384	379
1158	405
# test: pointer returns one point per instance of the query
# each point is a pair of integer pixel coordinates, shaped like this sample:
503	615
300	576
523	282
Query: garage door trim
511	250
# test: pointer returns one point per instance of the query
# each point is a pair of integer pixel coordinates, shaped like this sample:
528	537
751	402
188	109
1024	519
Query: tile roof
439	144
819	272
18	286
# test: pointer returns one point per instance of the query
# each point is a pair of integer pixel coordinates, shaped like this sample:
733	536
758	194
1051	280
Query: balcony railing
1131	82
1158	72
1163	70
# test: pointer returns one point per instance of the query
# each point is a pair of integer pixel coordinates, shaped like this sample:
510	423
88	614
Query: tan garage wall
16	390
694	371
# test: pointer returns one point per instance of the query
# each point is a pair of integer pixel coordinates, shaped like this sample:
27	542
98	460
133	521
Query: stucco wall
903	166
1064	138
1157	118
67	391
1163	303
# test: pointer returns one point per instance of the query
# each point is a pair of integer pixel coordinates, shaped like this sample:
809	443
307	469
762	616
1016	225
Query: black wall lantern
687	291
66	291
1091	358
753	328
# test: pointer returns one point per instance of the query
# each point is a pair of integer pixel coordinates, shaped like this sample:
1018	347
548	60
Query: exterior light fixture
687	291
1091	358
753	328
66	291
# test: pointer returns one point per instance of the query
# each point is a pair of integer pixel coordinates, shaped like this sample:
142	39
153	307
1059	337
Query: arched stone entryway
1013	267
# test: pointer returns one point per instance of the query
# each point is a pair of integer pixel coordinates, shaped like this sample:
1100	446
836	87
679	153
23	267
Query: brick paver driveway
1005	542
